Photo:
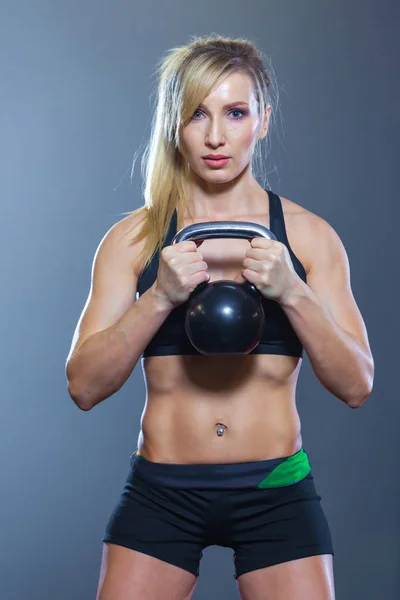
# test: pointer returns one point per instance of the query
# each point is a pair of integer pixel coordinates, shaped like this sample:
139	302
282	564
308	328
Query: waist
221	437
270	473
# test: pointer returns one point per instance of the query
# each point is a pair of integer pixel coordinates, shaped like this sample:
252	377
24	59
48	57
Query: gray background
75	88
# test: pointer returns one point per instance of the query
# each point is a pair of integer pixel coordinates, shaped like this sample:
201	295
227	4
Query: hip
261	474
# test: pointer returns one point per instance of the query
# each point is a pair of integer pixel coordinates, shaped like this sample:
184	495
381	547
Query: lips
215	156
216	163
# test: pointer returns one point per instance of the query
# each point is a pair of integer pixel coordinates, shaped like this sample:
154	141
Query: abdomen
253	396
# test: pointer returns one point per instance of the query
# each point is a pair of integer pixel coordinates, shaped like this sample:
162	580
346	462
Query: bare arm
327	319
103	363
113	329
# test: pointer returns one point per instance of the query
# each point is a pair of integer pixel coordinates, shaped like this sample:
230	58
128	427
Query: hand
268	266
181	269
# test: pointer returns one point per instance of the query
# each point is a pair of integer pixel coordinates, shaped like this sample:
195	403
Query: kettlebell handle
222	229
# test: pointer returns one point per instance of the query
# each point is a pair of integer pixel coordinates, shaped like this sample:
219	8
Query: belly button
220	428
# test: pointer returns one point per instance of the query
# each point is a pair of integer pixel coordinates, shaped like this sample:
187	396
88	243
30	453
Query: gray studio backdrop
75	106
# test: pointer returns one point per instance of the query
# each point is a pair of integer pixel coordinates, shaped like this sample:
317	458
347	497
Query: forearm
107	358
338	358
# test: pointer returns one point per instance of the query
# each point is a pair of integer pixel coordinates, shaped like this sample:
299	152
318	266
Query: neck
225	201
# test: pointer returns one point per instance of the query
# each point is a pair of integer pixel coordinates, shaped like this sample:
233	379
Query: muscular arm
327	320
113	329
102	364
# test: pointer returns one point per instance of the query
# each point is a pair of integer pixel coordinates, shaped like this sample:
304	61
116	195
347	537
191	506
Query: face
226	123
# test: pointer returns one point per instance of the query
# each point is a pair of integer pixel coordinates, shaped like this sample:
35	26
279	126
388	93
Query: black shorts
173	512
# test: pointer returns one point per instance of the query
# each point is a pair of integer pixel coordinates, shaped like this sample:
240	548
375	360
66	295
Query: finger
195	267
251	276
260	242
200	277
188	246
254	265
257	253
191	258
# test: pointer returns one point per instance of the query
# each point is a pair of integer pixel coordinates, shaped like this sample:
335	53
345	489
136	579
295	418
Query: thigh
154	533
280	526
309	578
126	574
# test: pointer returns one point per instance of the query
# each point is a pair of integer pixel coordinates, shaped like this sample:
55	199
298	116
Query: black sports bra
278	336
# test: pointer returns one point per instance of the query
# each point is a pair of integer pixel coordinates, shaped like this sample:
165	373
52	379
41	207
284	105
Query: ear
264	128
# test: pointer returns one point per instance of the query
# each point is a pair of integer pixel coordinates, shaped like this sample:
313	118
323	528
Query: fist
181	270
268	266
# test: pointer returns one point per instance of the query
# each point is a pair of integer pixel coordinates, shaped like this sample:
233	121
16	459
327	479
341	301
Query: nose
215	135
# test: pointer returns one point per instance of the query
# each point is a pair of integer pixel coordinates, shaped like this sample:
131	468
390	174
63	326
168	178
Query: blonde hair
187	74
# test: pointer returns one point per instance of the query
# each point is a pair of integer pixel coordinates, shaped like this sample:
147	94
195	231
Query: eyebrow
230	105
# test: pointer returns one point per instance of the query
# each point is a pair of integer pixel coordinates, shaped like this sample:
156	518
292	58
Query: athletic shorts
267	511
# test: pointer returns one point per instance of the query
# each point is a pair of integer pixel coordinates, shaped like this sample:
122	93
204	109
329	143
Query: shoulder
301	219
309	234
118	240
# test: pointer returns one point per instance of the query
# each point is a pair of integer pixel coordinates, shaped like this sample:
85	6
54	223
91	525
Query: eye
241	113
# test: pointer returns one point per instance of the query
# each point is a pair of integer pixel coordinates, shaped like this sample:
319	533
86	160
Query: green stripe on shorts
290	471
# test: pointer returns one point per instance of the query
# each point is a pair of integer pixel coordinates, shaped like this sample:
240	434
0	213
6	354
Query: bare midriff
250	398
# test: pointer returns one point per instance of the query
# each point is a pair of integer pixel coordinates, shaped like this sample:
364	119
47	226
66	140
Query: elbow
75	390
364	389
87	399
86	394
78	398
84	407
358	400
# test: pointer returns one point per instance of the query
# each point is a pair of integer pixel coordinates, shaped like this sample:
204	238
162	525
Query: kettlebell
224	317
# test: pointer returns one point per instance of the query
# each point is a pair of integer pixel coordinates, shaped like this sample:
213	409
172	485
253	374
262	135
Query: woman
220	457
